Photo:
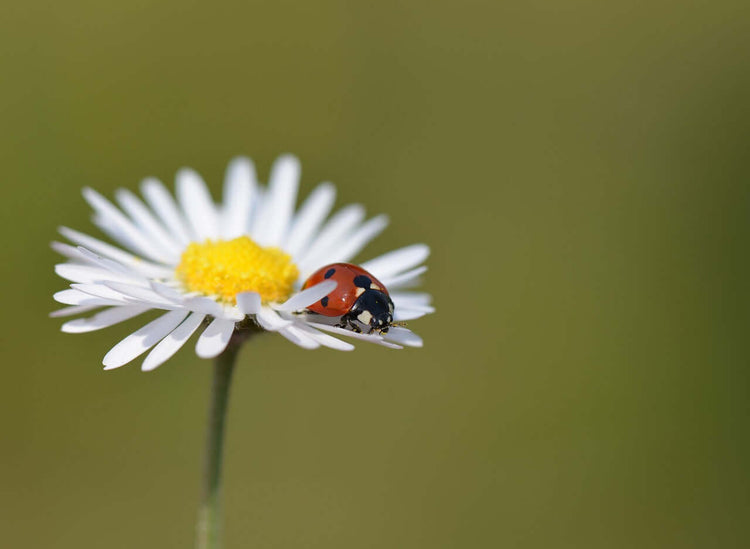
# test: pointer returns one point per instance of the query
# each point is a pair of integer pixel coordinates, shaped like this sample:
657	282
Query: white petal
74	310
403	279
324	339
256	207
88	274
310	216
104	319
69	297
355	242
137	264
102	291
198	304
215	338
336	229
107	264
248	302
138	293
272	222
205	305
164	205
148	224
298	337
76	297
167	292
141	341
168	346
197	204
397	261
115	233
71	252
370	338
403	336
407	299
231	312
117	225
307	297
411	314
240	185
270	320
84	257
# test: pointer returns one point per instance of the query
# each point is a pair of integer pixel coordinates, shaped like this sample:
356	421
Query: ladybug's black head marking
373	311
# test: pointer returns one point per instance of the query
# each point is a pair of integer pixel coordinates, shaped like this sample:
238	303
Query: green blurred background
581	172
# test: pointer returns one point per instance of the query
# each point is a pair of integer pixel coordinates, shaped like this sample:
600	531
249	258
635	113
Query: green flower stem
209	512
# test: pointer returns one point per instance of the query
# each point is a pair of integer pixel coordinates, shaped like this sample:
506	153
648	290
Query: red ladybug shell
352	282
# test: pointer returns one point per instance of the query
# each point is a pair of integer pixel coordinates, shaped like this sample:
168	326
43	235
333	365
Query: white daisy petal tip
188	176
249	303
197	204
73	327
404	336
214	338
398	261
143	339
112	362
64	297
240	162
404	313
90	194
149	181
287	161
61	248
168	346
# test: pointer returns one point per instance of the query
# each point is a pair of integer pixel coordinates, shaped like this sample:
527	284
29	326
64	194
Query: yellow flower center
225	268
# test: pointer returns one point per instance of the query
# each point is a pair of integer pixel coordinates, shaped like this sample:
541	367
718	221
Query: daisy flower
221	268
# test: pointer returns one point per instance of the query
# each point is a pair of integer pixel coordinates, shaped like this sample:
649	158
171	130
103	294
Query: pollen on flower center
225	268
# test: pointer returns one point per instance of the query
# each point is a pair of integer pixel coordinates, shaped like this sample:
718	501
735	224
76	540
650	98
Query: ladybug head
374	310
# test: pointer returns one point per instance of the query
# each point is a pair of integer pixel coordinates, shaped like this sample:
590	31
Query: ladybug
360	299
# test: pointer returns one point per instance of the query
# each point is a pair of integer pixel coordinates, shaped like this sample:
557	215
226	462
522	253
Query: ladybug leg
347	323
353	325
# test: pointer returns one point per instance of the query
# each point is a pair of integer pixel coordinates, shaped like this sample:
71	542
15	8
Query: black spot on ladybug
362	281
324	301
329	274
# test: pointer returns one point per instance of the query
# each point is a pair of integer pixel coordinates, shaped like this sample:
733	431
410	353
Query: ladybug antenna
400	324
